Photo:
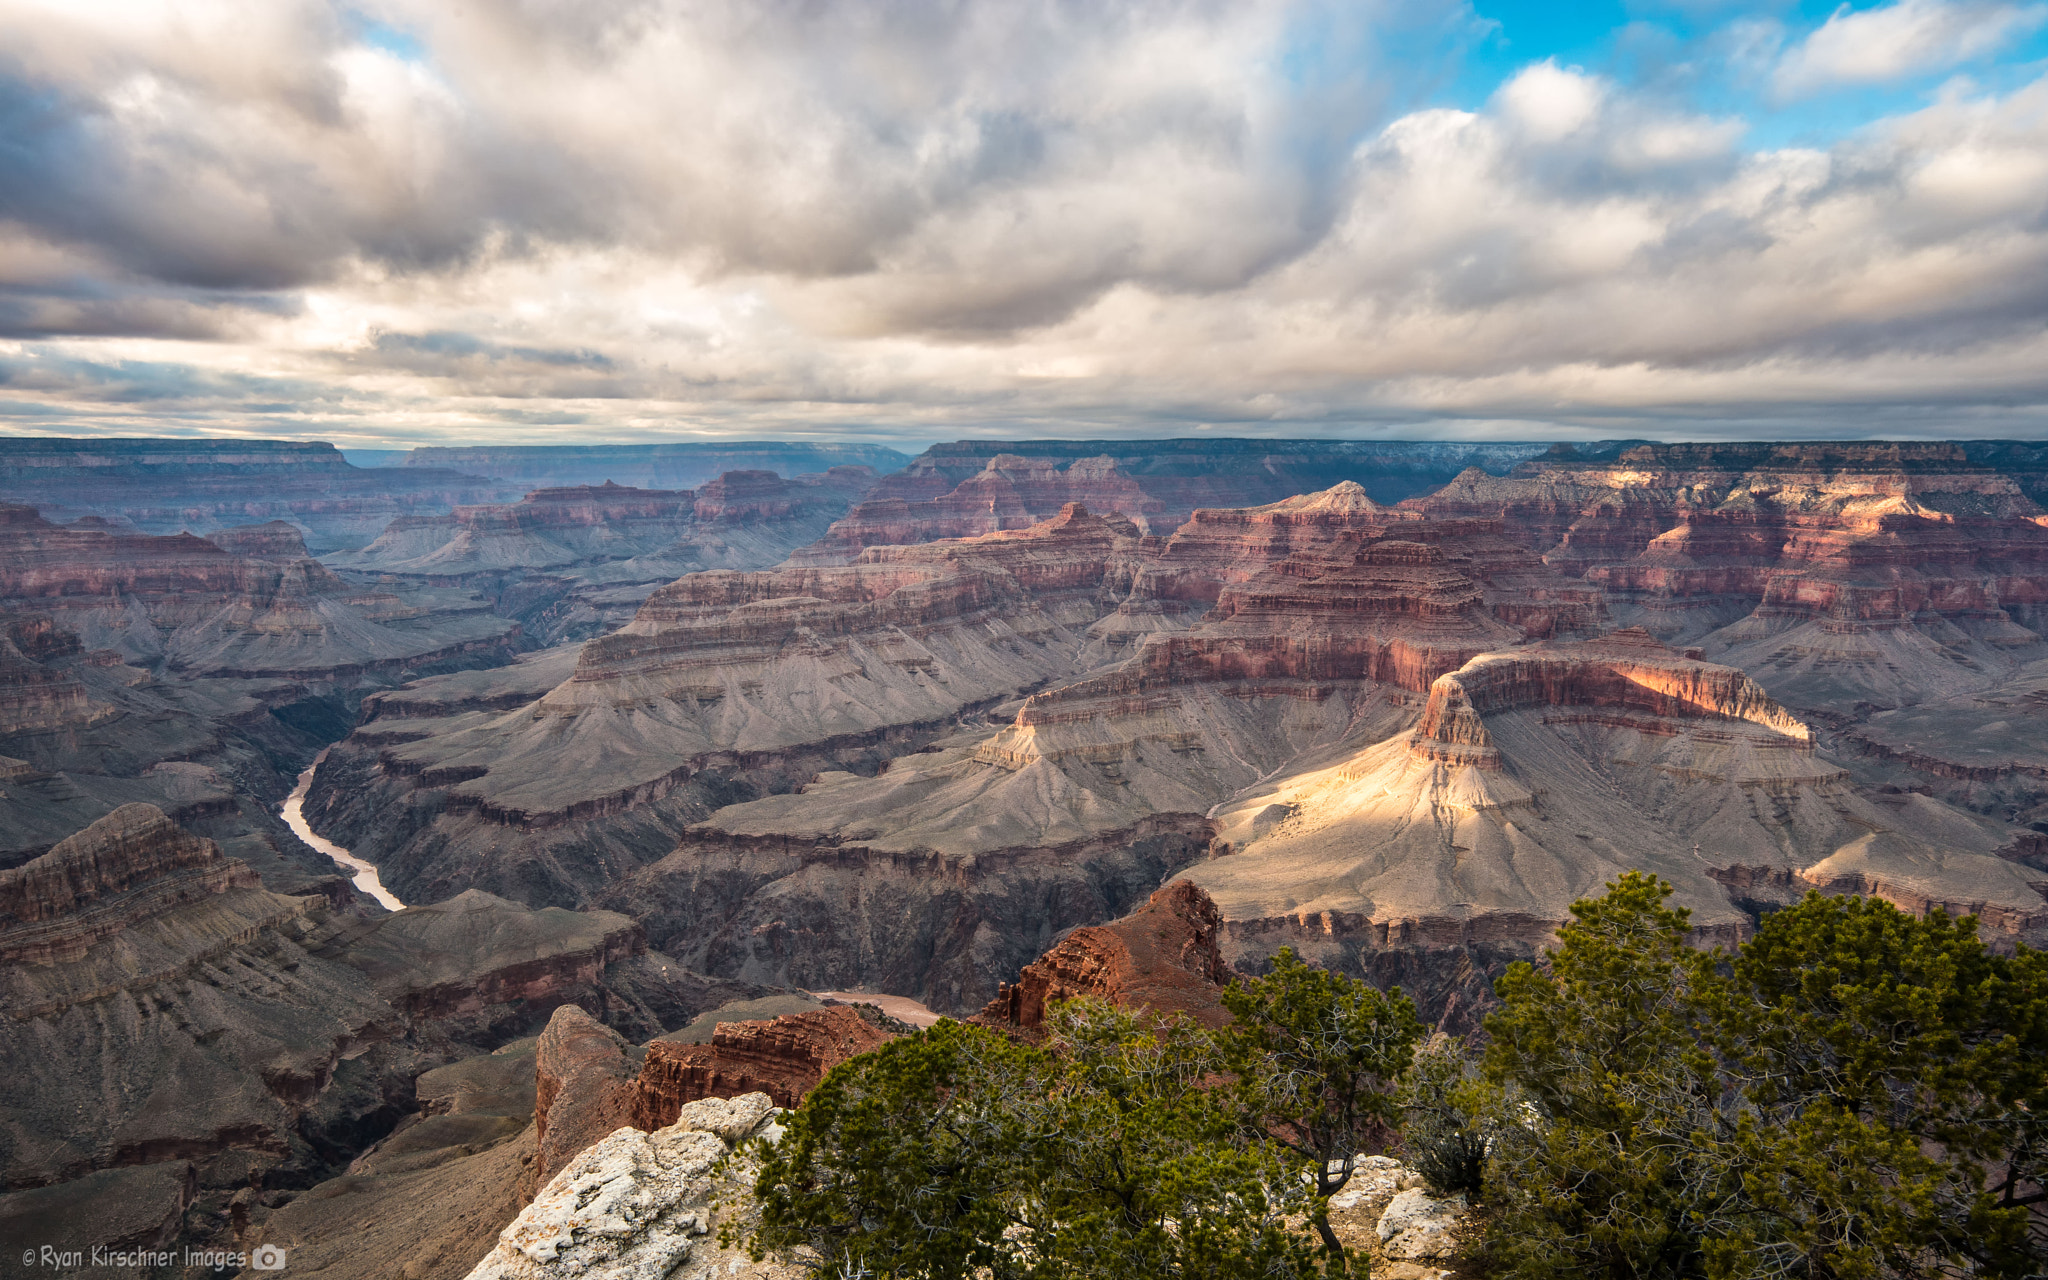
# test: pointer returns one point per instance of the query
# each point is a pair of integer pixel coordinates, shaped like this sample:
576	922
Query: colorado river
294	816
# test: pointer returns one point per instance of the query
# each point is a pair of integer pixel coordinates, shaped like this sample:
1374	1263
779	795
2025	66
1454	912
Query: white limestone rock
732	1119
1420	1227
1372	1178
636	1206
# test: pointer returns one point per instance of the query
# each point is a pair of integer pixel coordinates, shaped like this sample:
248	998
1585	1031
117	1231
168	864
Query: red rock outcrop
784	1058
1842	575
1161	958
583	1089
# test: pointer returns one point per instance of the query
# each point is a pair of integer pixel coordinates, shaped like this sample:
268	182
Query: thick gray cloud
420	221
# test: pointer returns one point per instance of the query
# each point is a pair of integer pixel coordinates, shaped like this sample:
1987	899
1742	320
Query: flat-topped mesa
475	950
1626	671
1221	546
589	504
1161	958
44	561
131	864
36	457
271	540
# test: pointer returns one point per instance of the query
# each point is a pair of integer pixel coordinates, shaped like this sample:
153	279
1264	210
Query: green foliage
901	1160
954	1153
1443	1131
1316	1055
1824	1103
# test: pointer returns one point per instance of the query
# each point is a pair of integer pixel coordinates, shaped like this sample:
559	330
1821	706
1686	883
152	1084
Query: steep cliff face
1162	958
161	1006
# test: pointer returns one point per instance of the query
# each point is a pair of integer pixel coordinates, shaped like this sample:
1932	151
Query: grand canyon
674	773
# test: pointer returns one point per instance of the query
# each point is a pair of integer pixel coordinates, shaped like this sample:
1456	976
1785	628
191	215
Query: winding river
294	815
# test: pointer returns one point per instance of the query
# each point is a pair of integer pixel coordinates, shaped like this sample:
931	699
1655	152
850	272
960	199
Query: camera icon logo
267	1257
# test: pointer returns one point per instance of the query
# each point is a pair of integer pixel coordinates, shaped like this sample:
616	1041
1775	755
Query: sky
395	223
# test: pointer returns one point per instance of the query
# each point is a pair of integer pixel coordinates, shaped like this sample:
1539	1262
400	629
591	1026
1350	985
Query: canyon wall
970	488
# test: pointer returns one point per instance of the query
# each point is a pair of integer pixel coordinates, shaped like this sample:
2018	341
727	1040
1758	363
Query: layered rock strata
1844	576
1533	776
195	609
1330	617
161	1010
725	682
784	1058
967	489
1307	680
1162	958
168	486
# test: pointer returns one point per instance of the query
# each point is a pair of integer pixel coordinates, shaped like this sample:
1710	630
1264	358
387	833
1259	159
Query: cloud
1905	38
423	222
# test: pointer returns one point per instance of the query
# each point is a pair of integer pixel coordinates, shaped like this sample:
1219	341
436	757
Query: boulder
1419	1226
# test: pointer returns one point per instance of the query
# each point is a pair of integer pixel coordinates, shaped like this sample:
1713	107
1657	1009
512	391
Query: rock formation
1841	575
583	1088
198	610
1161	958
726	683
784	1058
164	1010
1400	728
